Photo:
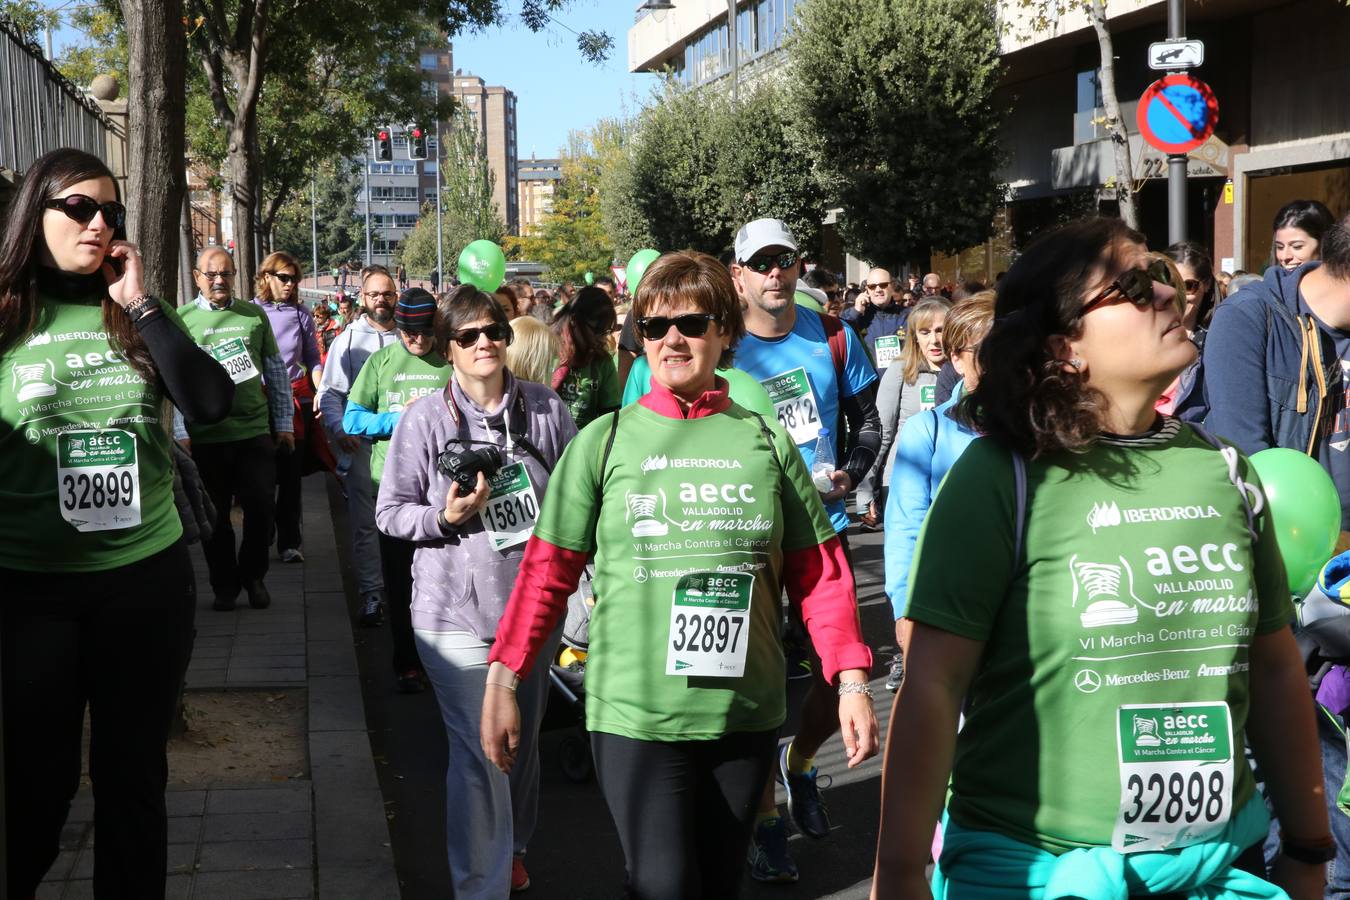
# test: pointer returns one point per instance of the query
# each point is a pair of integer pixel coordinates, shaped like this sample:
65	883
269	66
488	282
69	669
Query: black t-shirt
628	337
946	382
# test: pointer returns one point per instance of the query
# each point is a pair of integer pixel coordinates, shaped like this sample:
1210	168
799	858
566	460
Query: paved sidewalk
324	836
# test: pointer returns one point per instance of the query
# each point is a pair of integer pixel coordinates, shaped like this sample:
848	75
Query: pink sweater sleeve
819	581
548	576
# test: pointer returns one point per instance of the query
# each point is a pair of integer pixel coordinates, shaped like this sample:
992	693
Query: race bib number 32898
1176	775
98	480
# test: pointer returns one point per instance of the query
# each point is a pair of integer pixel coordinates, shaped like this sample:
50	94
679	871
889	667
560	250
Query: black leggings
396	559
684	809
118	640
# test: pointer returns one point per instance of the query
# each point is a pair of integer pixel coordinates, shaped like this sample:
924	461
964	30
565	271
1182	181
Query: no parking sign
1177	113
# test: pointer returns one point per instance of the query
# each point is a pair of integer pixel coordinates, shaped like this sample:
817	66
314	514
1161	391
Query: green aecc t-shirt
689	532
391	379
1111	698
88	483
239	337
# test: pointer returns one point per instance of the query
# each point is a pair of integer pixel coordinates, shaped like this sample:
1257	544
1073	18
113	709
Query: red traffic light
417	132
383	135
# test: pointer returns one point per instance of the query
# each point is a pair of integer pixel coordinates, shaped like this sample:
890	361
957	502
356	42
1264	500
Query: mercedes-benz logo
1087	681
640	574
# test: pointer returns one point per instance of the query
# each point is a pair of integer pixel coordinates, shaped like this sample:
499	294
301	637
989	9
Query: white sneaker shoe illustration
1101	583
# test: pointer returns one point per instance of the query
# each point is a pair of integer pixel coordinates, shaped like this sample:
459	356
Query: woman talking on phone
98	586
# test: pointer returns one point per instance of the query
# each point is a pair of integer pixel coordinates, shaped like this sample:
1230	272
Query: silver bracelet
855	687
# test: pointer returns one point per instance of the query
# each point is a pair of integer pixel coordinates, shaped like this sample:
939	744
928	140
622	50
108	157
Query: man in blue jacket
882	318
1276	365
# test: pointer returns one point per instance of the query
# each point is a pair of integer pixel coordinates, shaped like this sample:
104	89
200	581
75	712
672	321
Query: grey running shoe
769	858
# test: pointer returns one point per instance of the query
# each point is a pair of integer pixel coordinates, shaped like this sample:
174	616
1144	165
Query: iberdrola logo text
1106	515
652	463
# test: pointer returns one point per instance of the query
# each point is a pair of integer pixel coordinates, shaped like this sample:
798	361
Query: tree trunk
157	70
241	164
1114	124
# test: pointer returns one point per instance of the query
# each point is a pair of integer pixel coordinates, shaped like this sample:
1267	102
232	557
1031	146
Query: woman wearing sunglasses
699	513
1099	589
464	475
98	585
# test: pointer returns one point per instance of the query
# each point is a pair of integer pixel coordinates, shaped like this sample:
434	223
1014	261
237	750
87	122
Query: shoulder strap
1020	508
768	436
838	341
518	421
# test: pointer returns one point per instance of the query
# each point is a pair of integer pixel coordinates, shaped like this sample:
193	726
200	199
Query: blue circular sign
1177	113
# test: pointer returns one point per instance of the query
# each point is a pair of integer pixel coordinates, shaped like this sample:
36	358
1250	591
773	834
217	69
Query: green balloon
1305	511
589	278
483	265
637	266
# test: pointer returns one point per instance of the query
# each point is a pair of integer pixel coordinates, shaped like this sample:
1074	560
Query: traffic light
384	145
417	142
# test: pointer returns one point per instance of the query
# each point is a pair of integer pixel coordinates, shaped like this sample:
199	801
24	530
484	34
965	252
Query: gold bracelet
504	685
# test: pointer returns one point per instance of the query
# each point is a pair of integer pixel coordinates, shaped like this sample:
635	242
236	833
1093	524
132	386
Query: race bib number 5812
1176	775
794	403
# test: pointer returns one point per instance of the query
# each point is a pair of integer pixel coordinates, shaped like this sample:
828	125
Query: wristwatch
140	307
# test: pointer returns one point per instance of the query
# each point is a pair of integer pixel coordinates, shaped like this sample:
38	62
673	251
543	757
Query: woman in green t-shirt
97	582
586	378
1099	588
699	513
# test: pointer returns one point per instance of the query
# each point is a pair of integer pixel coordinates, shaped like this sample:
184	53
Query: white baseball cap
755	236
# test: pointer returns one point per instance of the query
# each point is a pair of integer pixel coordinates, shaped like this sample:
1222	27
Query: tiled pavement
324	836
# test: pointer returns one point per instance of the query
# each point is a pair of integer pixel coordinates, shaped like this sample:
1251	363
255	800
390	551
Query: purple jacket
460	582
294	328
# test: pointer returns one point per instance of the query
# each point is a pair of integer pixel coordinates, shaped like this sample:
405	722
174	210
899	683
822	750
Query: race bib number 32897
710	624
1176	775
98	480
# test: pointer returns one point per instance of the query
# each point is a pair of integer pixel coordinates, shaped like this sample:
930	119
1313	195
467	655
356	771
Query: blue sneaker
769	858
803	799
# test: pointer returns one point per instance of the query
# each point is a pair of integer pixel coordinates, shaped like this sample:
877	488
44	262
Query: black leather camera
463	466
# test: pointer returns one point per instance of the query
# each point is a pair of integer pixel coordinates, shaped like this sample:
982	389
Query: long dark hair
582	327
50	174
1194	257
1025	399
1311	216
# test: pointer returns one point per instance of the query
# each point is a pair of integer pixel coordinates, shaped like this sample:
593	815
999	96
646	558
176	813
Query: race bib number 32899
98	480
1176	775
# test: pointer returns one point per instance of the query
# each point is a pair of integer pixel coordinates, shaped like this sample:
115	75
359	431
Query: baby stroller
567	686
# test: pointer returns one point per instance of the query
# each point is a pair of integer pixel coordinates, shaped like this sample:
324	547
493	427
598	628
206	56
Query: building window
428	62
393	193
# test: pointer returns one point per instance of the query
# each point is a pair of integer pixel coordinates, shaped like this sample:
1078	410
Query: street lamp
658	8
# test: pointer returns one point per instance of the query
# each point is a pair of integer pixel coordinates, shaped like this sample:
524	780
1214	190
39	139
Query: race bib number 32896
1176	775
98	480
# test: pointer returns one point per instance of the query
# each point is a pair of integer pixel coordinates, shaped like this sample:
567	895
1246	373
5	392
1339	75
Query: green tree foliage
341	231
29	17
894	101
572	239
468	212
697	167
104	49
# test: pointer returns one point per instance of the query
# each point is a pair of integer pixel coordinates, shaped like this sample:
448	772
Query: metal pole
440	249
314	227
735	52
1176	163
365	174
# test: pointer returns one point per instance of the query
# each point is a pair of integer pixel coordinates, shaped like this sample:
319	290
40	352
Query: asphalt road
575	852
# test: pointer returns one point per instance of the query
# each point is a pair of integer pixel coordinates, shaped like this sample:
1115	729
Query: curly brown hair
1026	400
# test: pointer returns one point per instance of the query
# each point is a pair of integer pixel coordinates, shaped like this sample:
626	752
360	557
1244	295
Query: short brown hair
698	278
275	262
968	322
463	305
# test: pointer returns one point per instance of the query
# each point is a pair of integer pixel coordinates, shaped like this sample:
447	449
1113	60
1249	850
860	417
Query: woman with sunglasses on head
586	378
699	513
908	386
98	585
464	475
1099	589
1298	230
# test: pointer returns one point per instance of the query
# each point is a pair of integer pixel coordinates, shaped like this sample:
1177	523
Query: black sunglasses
83	209
763	262
655	328
469	336
284	278
1134	285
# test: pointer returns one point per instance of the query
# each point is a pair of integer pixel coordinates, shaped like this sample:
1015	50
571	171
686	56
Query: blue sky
556	91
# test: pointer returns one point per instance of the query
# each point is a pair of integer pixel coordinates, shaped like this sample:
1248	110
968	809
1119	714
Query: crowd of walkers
1098	692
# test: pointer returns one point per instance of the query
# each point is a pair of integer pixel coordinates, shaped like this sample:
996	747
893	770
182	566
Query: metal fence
40	109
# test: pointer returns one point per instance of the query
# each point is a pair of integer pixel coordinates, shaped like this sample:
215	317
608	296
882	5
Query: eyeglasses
423	335
83	209
284	277
765	262
655	328
212	276
1135	285
833	295
381	295
878	286
495	332
1193	285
